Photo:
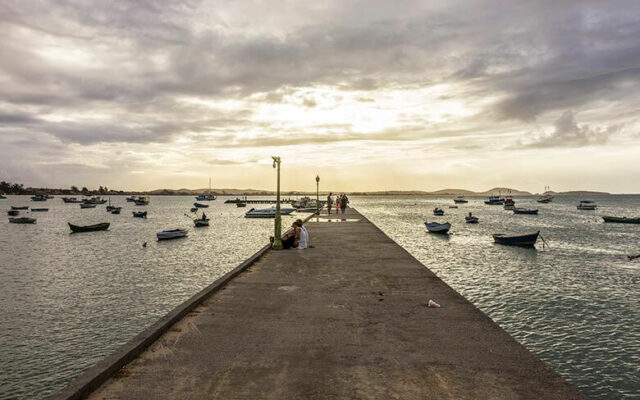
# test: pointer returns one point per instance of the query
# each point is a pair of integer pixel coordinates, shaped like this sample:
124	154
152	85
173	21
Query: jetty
346	319
257	201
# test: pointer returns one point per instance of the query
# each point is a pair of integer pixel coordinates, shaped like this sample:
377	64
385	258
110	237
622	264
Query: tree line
18	188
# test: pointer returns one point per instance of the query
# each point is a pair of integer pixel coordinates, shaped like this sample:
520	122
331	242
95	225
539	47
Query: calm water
66	301
575	304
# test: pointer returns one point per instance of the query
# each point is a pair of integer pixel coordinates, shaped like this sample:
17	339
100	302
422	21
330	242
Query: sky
369	95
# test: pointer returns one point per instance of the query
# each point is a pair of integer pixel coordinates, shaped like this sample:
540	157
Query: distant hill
578	193
503	191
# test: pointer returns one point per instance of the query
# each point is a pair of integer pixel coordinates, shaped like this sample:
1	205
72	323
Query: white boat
88	205
267	212
546	197
307	203
172	234
141	201
131	199
206	197
460	200
435	227
587	205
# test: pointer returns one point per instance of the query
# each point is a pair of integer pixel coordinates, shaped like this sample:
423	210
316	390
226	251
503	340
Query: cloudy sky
370	95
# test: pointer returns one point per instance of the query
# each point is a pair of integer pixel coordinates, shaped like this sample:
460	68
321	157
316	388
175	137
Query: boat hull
89	228
435	227
528	240
22	220
169	235
198	205
20	208
621	220
526	212
140	214
471	220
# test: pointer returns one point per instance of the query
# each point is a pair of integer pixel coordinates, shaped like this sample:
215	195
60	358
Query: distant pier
346	319
257	201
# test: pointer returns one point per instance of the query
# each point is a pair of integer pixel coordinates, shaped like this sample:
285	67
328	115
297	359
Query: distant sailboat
206	197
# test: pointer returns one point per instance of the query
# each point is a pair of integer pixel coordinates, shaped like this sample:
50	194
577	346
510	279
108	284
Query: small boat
140	214
460	200
494	201
194	209
13	213
172	234
509	204
453	206
435	227
115	210
71	200
39	209
587	205
141	201
94	200
206	197
198	205
89	228
546	197
527	240
438	211
267	212
621	220
22	220
38	197
88	205
471	219
131	199
525	211
241	204
20	208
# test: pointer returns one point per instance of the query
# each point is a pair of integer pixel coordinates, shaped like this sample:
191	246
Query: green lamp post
317	194
277	240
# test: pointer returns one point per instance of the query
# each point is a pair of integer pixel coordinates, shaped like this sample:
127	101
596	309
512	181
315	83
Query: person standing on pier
329	202
337	203
344	200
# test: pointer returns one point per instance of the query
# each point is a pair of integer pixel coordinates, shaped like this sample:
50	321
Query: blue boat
141	214
438	211
494	201
528	240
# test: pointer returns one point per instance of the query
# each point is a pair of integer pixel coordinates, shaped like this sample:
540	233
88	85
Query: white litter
433	304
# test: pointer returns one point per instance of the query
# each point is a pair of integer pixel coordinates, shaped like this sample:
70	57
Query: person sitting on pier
304	236
291	239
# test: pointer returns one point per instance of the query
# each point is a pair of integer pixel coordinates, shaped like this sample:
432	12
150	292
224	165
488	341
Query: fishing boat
202	221
22	220
88	205
587	205
71	200
267	212
525	211
131	199
20	208
460	200
38	197
198	205
241	204
494	201
140	214
509	204
470	219
435	227
94	200
438	211
89	228
527	240
206	197
115	210
13	213
141	201
172	234
546	197
621	220
39	209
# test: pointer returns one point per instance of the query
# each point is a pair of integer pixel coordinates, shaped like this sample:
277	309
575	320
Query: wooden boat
115	210
509	204
20	208
142	201
241	204
527	240
71	200
22	220
546	197
471	219
13	213
435	227
89	228
621	220
525	211
94	200
587	205
172	234
140	214
438	211
88	205
494	201
39	209
38	197
267	212
460	200
201	222
198	205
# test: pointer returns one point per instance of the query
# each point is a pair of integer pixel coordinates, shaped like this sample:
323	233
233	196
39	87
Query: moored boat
436	227
71	200
13	213
587	205
142	201
88	205
525	211
470	219
527	240
89	228
20	207
438	211
172	234
39	197
546	197
140	214
460	200
116	210
39	209
509	204
22	220
267	212
241	204
494	201
131	199
198	205
621	220
208	196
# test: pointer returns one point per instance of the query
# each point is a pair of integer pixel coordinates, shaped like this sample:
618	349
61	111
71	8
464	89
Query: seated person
291	239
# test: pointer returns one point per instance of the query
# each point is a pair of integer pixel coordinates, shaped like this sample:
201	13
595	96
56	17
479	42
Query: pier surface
346	319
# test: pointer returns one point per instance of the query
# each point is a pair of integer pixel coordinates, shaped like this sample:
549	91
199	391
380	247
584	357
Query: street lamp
277	240
317	194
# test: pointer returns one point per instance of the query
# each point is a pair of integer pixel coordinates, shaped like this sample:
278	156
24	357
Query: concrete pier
346	319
